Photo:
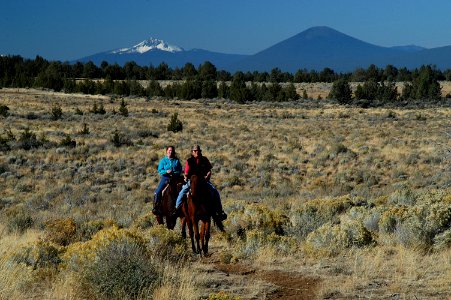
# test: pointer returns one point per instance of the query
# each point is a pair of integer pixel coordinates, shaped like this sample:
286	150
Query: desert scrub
330	239
313	214
165	244
61	231
115	263
222	296
18	219
259	216
422	224
256	241
40	255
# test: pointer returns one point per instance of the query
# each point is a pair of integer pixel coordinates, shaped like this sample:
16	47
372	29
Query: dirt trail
249	282
287	285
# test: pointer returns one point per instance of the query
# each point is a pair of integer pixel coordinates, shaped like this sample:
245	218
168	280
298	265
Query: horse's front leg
183	225
205	235
197	236
191	234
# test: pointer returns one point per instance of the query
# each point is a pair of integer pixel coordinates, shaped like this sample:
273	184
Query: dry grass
270	160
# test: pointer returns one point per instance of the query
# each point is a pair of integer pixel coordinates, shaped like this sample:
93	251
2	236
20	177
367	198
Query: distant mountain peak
149	45
409	48
320	31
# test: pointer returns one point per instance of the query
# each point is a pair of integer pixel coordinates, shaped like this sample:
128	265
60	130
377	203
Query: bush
119	140
115	264
123	109
56	113
68	142
61	231
165	244
175	124
315	213
28	140
84	130
341	91
4	111
39	255
18	219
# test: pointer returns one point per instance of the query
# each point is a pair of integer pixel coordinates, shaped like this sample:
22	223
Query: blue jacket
169	164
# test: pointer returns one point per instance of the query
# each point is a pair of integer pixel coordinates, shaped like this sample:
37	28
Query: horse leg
191	234
206	232
197	236
202	236
183	225
160	219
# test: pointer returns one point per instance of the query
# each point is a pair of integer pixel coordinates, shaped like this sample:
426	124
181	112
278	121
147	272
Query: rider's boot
156	206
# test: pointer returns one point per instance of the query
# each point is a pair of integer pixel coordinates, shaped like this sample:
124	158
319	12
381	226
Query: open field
324	201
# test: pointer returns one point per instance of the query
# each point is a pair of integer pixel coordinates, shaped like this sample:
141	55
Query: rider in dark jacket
199	165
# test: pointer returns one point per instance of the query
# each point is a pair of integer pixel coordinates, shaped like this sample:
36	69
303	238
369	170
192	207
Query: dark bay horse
199	207
168	198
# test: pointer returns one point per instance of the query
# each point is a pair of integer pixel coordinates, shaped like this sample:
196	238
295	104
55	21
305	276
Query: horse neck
197	184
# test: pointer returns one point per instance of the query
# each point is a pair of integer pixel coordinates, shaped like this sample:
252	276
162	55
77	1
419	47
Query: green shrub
123	109
28	140
165	244
56	113
315	213
330	239
175	125
119	140
341	91
68	142
4	111
442	241
84	130
18	219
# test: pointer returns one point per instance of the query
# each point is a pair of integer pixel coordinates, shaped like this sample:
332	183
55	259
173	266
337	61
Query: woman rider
168	166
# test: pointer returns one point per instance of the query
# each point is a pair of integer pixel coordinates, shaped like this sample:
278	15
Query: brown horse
199	207
168	198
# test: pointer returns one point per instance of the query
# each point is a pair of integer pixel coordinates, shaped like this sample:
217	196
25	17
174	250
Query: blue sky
70	29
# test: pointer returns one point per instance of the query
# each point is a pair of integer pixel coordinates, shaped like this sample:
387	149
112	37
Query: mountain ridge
315	48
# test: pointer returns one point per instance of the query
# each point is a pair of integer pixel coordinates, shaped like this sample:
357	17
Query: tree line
206	81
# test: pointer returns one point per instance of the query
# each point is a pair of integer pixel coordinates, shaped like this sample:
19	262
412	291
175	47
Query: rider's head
170	151
196	151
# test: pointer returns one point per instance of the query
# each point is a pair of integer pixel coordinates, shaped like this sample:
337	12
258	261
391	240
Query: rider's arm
161	167
209	167
185	175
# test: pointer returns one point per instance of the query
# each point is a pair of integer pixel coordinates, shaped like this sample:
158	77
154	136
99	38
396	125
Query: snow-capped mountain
155	51
149	45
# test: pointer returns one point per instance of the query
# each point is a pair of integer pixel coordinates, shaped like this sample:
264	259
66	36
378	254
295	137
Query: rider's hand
169	171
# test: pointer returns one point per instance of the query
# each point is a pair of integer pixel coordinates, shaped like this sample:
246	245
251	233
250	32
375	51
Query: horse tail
218	223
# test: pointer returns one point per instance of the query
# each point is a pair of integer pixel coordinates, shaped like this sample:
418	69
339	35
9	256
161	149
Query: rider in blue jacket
168	166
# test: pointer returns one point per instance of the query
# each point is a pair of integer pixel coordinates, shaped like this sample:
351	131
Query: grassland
324	201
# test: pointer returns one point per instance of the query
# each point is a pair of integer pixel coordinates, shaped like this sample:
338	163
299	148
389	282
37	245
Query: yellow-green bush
86	230
114	264
315	213
330	239
61	231
222	296
165	244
